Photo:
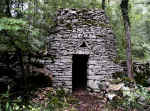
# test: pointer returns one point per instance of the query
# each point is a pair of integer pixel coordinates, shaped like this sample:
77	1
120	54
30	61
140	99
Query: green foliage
125	94
23	31
114	13
132	98
9	104
139	18
74	4
11	24
56	100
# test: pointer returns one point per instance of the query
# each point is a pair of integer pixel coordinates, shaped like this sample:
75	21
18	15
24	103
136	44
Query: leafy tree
20	33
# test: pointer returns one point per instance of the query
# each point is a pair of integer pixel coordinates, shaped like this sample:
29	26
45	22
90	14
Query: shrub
128	96
55	100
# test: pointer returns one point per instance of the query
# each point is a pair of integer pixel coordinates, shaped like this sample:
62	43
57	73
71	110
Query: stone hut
84	48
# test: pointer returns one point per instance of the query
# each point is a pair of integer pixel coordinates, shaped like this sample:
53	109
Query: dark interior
79	72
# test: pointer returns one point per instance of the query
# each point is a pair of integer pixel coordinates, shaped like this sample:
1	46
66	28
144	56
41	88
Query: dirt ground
89	101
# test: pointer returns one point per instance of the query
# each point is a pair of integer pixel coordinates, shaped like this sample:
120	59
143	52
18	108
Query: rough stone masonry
82	32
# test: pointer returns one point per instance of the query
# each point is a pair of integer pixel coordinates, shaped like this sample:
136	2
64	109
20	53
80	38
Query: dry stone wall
85	32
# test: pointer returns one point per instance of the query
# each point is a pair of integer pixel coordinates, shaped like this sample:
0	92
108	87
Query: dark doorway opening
79	72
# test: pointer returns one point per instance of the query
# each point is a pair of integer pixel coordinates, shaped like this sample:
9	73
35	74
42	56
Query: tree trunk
103	4
124	9
8	13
